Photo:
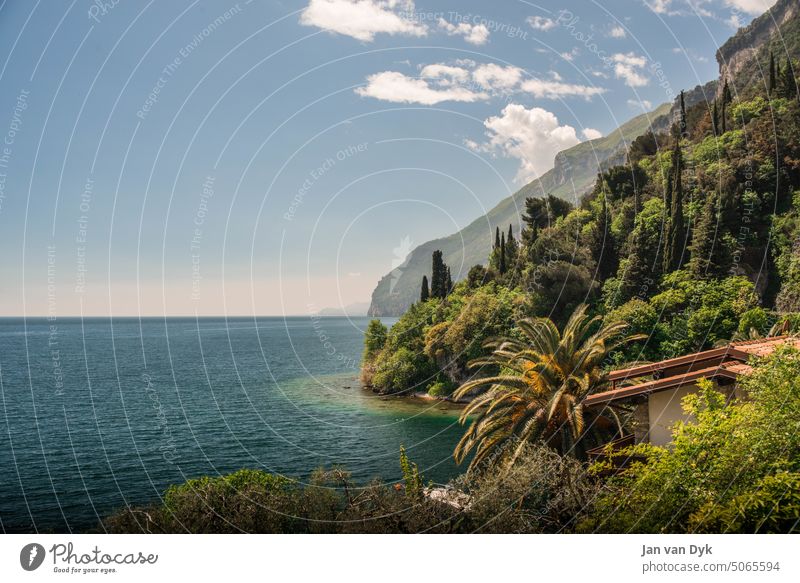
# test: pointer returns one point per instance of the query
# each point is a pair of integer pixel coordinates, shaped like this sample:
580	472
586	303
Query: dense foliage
543	493
697	230
736	468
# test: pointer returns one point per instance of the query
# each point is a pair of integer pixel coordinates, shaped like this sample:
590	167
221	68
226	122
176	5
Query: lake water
98	414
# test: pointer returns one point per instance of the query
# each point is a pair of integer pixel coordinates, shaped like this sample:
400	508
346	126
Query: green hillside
573	175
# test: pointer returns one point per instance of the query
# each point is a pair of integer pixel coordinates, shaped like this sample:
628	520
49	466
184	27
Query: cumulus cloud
753	7
700	7
497	77
659	6
476	34
733	21
467	81
617	32
553	89
570	56
541	23
629	67
532	136
446	74
398	88
362	19
591	133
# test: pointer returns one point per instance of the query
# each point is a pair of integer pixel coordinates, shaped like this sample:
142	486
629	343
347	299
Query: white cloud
617	32
497	77
659	6
628	67
541	23
446	74
641	104
468	81
699	8
476	34
570	56
753	7
532	136
733	21
362	19
556	89
398	88
591	133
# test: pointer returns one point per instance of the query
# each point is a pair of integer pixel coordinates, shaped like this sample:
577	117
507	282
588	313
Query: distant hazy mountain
573	174
353	310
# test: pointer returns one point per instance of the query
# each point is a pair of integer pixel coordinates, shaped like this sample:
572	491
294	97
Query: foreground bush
542	493
734	470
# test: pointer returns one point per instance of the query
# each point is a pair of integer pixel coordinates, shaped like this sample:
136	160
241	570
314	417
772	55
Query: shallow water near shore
98	414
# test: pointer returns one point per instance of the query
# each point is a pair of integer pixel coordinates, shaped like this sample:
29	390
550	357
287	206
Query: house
655	390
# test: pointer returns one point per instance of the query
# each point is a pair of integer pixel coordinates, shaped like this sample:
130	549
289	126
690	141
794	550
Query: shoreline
420	396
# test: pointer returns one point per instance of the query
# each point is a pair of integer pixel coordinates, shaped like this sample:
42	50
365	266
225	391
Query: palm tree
538	393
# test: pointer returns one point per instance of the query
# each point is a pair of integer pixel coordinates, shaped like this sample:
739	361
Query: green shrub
772	506
754	320
401	371
745	111
441	388
724	469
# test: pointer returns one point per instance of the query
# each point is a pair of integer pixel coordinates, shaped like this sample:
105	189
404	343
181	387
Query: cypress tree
715	119
512	249
726	99
502	254
676	229
605	252
789	85
424	293
701	262
497	238
683	116
448	283
438	276
771	73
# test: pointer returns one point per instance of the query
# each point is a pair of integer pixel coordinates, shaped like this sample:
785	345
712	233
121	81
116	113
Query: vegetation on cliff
680	243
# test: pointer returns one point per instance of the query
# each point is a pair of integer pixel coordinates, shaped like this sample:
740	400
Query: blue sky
272	157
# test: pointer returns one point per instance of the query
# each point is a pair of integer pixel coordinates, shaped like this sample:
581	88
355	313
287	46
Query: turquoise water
98	414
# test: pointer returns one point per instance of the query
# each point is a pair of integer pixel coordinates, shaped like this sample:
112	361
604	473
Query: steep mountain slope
573	174
743	59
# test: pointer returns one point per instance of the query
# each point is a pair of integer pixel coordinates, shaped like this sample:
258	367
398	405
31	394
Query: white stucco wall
665	410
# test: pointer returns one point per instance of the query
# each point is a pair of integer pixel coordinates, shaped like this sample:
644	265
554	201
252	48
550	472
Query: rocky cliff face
740	50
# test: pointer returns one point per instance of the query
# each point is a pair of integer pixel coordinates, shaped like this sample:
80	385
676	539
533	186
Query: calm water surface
97	414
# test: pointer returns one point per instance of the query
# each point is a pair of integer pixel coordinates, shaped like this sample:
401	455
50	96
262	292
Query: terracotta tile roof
741	351
726	370
764	346
644	369
729	361
738	368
